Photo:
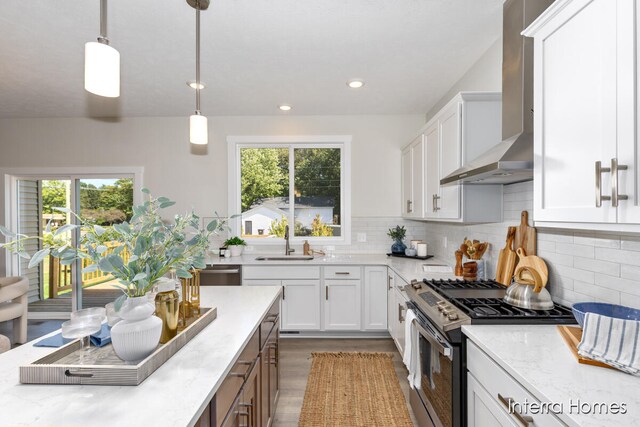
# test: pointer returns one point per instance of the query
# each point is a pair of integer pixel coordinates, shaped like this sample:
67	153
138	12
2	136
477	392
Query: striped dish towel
612	341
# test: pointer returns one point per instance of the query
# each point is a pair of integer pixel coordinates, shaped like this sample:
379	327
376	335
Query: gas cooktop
450	303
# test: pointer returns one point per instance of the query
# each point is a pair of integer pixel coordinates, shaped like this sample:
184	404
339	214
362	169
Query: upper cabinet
585	117
413	179
466	127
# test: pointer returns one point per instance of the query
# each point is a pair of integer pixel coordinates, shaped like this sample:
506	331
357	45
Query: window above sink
300	181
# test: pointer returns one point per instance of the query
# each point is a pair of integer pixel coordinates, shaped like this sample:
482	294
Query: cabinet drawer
269	321
503	387
280	272
226	394
342	272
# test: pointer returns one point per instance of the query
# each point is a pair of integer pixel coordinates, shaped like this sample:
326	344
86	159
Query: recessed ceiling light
355	84
193	85
284	107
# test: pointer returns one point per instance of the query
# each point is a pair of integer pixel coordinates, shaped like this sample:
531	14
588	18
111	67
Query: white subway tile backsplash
618	255
583	265
597	266
576	250
614	283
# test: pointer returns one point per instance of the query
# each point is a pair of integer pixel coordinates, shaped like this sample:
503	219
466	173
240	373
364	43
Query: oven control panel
438	310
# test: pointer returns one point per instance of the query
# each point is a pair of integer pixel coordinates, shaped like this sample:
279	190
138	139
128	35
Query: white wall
484	75
160	145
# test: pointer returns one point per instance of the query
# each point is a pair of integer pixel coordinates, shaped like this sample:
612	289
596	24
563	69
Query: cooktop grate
488	308
449	284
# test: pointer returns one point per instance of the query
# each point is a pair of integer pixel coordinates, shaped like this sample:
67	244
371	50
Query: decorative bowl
610	310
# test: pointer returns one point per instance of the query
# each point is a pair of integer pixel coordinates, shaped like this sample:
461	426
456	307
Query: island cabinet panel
247	396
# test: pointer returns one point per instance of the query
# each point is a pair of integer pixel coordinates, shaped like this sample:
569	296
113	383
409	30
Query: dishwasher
221	275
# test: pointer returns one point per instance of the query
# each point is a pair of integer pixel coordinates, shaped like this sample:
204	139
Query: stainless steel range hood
511	160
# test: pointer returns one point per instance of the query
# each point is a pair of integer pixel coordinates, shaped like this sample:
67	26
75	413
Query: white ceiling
256	54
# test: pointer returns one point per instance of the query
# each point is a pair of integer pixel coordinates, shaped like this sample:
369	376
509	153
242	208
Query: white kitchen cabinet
342	305
585	123
492	392
374	298
413	179
300	305
482	409
468	126
396	310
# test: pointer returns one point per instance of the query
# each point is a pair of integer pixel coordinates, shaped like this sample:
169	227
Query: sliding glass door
56	289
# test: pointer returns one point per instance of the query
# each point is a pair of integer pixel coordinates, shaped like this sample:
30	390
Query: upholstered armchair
5	344
14	305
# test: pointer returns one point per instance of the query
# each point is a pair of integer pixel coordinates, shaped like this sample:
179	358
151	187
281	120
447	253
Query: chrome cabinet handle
507	402
389	282
409	208
615	197
599	171
271	318
436	198
342	273
326	288
400	309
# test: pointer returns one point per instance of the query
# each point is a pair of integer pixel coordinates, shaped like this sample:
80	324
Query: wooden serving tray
572	335
105	368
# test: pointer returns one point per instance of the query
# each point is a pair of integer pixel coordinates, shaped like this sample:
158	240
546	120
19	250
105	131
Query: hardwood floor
295	362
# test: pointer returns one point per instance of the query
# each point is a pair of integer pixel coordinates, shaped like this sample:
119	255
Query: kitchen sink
285	258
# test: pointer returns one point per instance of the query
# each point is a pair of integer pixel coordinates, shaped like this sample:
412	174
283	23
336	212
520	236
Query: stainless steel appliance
221	275
441	308
511	160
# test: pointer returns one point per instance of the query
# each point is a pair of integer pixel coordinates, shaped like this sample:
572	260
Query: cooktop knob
452	316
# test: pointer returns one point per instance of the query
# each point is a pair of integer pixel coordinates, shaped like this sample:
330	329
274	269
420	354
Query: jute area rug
353	389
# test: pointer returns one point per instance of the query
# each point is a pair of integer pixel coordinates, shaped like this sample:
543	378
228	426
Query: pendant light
198	127
102	62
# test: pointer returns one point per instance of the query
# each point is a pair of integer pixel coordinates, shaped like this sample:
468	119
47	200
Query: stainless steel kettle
528	290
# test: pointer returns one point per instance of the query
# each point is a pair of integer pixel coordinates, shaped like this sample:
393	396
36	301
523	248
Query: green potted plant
397	234
148	248
235	245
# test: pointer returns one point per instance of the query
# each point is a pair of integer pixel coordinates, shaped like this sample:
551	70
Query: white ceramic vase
138	334
236	250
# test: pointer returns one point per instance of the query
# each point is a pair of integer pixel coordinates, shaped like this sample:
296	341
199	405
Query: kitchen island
174	395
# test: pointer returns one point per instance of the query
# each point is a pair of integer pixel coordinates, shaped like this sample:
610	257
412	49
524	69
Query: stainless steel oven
439	394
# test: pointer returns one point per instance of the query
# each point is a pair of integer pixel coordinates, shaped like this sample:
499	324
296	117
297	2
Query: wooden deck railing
61	278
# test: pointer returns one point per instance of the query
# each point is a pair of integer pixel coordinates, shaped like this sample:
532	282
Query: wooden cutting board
572	335
507	259
525	235
530	262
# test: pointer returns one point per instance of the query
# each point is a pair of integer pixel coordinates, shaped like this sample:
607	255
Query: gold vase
190	304
167	310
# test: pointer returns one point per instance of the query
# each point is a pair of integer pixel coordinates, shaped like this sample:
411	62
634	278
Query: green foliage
234	241
156	246
264	174
277	228
317	173
320	229
54	194
397	233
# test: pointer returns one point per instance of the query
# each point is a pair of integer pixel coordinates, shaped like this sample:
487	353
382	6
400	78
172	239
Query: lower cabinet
495	398
328	298
248	395
396	310
374	298
301	305
342	305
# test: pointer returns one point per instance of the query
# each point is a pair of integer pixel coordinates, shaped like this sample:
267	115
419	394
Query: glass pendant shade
198	129
101	70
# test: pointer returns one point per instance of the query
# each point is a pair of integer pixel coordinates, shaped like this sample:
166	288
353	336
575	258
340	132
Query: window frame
291	142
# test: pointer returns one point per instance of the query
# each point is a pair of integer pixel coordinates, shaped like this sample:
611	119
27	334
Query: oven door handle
433	340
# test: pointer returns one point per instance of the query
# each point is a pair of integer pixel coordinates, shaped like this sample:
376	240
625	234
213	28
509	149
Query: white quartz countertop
538	358
174	395
408	268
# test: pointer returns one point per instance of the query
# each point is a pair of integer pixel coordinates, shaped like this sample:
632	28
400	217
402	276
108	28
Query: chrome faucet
287	247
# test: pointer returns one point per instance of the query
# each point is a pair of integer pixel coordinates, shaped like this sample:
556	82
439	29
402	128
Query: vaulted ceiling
256	54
